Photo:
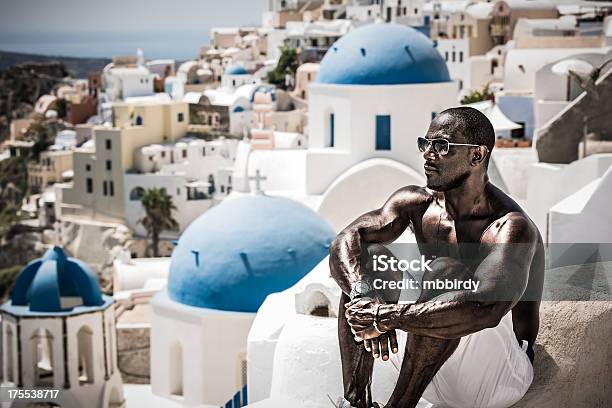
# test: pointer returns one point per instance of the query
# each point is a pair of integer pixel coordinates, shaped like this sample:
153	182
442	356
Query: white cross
258	179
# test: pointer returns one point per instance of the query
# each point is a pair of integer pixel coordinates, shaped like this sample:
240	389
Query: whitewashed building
187	170
224	266
58	332
376	91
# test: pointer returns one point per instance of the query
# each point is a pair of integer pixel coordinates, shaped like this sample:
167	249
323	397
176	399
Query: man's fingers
375	348
393	341
368	345
384	347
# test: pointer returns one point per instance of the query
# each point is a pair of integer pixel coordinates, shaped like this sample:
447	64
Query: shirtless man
462	349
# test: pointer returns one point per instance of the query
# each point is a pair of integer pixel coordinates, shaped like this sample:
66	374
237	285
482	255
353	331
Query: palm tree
158	207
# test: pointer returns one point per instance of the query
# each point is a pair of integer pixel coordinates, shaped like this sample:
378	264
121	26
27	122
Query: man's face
449	171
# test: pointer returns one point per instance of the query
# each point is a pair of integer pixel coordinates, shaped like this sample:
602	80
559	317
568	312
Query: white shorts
488	369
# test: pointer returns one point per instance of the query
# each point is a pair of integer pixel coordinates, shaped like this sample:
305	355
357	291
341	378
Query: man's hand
361	315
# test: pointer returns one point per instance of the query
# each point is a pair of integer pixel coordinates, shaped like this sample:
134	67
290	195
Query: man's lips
430	168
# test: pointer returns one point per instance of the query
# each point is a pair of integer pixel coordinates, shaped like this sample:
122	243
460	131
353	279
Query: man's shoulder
411	195
513	227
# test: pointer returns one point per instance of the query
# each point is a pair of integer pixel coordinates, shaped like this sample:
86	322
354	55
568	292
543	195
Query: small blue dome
382	54
235	70
44	281
235	254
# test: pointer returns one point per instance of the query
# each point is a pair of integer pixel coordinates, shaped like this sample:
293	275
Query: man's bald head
469	122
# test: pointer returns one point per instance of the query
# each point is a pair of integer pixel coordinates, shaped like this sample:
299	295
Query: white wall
547	184
584	216
364	187
186	212
513	165
459	68
211	343
355	109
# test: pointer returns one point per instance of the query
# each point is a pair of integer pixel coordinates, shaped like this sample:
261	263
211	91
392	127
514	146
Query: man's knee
443	268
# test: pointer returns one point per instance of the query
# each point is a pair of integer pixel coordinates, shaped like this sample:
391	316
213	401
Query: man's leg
357	363
423	356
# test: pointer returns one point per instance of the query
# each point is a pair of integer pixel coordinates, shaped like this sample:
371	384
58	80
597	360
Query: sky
103	28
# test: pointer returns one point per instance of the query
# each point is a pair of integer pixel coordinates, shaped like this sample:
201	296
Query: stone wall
133	354
573	363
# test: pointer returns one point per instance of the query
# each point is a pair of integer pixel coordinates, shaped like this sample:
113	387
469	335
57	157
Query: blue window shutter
383	132
331	130
245	400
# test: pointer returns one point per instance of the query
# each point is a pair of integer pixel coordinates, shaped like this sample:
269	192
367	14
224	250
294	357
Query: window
204	151
108	144
181	116
175	357
104	187
332	130
109	165
88	167
89	185
138	120
178	191
163	154
111	184
453	56
184	153
383	132
460	56
137	193
446	56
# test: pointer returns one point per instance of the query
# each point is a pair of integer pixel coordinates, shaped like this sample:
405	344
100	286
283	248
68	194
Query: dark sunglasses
440	146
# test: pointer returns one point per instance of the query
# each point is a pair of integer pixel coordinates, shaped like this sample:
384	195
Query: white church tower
58	332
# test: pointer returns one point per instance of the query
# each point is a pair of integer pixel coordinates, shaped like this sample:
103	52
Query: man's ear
479	155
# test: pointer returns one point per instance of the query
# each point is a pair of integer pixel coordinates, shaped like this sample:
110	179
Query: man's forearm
344	261
445	320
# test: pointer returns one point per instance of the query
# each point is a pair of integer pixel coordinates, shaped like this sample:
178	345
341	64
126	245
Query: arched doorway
85	355
42	351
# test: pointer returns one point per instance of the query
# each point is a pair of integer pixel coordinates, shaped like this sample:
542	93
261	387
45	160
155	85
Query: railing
238	400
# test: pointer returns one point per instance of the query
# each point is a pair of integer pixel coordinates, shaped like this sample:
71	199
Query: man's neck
468	198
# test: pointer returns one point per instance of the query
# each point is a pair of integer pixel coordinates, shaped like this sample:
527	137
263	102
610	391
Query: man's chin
434	185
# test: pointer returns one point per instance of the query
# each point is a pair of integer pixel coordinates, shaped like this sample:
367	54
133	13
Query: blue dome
44	281
236	70
235	254
382	54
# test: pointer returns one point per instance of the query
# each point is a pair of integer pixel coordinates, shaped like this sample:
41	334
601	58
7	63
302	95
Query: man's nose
429	153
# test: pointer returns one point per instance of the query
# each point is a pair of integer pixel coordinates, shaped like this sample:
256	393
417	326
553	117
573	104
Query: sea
180	45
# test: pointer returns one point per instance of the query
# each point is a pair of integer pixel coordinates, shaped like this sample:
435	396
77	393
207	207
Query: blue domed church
58	331
223	267
376	91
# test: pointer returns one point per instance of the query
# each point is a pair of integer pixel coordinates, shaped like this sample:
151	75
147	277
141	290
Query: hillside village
152	185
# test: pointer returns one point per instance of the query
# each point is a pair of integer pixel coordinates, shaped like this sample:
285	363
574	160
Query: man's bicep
504	273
